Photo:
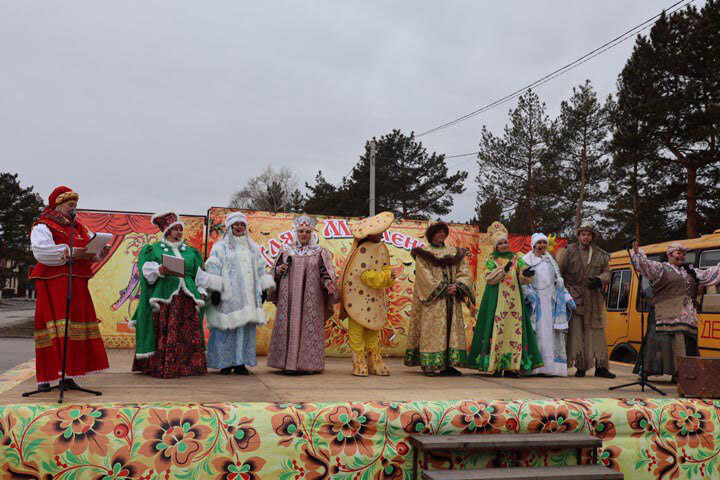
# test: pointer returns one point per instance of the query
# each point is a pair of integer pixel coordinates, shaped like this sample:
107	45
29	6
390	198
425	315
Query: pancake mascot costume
363	287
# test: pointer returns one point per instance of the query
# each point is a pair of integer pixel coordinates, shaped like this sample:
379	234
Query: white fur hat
234	217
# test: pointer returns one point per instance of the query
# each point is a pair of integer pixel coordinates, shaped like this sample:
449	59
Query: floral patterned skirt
180	341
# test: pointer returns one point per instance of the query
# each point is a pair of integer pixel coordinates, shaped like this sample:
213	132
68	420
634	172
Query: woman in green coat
504	340
169	339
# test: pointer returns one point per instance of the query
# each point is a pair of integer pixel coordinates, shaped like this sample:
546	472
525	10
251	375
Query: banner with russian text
115	287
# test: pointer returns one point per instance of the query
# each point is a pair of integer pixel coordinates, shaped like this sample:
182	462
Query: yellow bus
624	304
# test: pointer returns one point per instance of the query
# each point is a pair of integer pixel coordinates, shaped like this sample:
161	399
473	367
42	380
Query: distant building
17	284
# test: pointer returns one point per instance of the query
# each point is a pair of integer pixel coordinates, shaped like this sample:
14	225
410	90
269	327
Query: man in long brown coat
586	271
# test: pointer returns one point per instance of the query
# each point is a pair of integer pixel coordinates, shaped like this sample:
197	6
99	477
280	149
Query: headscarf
674	247
536	237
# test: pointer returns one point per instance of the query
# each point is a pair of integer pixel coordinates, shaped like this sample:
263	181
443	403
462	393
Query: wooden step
504	441
573	472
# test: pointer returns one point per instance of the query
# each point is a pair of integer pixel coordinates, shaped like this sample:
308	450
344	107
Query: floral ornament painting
644	439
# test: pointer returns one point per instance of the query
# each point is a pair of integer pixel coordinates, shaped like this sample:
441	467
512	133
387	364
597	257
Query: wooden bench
573	472
502	442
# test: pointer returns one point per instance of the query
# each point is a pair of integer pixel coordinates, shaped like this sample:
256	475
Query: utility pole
372	177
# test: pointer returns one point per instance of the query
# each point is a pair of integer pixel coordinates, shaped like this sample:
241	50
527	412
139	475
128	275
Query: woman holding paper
50	240
169	338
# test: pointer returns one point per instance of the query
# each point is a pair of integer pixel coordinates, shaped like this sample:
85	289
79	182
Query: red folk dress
86	351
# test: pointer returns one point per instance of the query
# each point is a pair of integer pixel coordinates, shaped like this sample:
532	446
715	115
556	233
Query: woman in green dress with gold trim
504	340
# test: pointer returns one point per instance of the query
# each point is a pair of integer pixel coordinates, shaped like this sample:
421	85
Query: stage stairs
511	442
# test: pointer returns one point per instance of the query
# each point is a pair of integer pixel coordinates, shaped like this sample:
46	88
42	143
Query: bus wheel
624	353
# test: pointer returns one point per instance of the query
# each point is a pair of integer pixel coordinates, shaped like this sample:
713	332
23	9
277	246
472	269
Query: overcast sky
151	105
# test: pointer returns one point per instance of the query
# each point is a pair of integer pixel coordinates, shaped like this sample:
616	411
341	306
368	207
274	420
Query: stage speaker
698	377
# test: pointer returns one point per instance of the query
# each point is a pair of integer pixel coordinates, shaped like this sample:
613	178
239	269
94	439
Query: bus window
709	258
619	291
708	295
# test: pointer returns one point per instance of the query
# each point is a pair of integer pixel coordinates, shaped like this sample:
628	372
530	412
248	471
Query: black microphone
629	243
288	262
688	267
73	212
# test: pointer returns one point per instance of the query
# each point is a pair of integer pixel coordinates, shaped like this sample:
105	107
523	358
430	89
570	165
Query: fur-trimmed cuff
228	321
266	282
561	327
215	282
144	355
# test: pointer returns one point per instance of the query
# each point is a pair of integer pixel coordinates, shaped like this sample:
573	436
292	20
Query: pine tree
323	197
580	144
487	211
297	202
641	200
671	85
409	182
518	170
19	208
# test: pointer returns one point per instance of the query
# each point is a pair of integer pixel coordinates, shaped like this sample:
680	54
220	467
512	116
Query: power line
446	157
461	155
560	71
550	76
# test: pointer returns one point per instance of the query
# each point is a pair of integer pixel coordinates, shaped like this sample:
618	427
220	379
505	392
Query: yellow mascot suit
364	298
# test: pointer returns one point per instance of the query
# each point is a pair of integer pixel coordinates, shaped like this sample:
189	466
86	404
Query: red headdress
59	196
165	221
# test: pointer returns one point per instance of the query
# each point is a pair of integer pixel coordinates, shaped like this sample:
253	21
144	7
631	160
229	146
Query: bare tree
271	191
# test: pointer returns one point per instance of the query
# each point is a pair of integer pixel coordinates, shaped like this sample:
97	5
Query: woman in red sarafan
50	240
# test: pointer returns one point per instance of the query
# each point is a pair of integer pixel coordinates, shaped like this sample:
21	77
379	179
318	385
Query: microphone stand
643	345
63	385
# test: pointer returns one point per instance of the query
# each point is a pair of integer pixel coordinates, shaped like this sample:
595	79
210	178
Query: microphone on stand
629	243
73	213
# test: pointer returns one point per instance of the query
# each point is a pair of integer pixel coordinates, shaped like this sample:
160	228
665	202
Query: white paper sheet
97	243
174	264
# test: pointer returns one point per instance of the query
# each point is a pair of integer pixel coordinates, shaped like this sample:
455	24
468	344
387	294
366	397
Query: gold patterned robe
436	339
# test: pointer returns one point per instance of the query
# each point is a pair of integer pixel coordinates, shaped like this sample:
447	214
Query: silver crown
305	220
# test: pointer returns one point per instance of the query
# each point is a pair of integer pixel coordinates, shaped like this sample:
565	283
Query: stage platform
265	384
335	426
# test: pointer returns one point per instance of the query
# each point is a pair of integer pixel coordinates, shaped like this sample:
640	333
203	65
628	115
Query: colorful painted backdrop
643	438
115	286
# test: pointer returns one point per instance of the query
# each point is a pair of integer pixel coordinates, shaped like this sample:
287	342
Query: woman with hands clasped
236	309
504	340
549	304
